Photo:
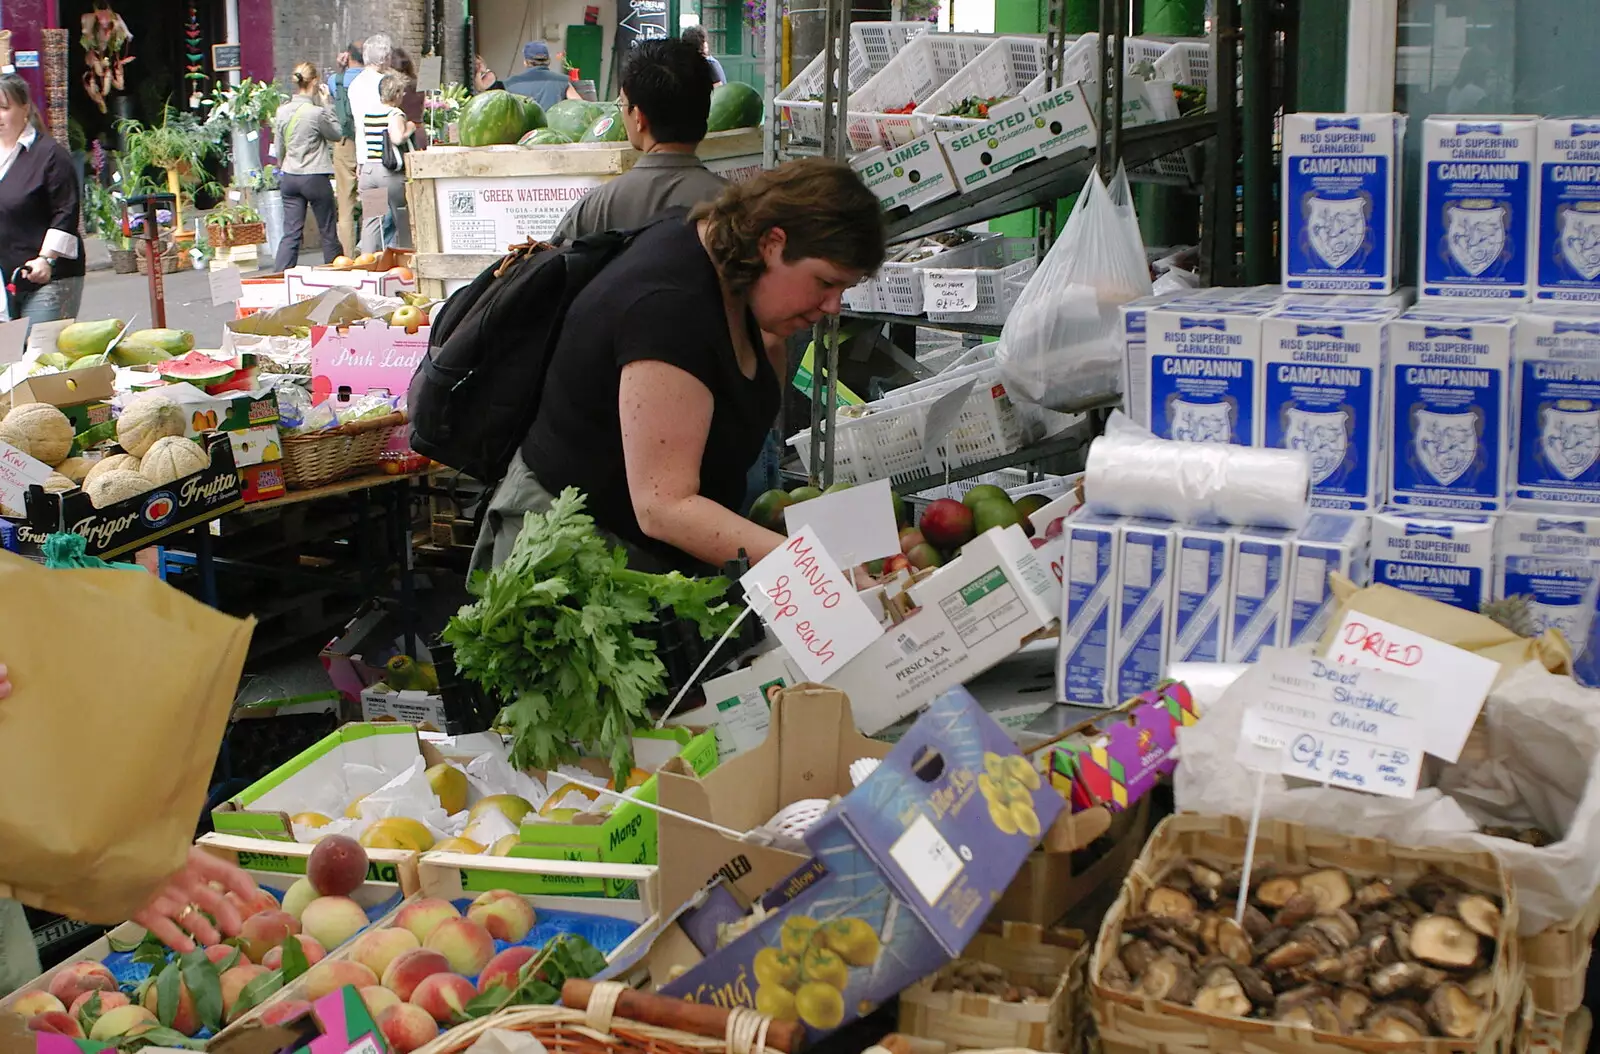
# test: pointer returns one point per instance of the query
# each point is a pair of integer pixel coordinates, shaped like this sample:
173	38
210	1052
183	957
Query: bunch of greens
561	959
551	636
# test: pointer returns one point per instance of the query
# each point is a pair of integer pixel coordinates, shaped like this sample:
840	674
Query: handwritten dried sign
811	605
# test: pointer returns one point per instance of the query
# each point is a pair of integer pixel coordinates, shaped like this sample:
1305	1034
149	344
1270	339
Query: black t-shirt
660	300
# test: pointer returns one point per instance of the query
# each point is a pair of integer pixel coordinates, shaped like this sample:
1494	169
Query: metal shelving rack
1039	186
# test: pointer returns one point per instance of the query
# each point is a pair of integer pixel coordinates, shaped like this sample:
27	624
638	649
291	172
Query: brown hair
14	92
305	76
822	207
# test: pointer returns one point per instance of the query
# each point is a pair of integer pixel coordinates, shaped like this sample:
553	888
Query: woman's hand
5	683
37	270
177	906
484	77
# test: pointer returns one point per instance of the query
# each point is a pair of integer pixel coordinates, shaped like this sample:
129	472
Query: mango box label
1046	127
912	175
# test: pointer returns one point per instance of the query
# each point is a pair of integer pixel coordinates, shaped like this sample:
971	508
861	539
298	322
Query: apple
409	318
924	556
910	538
896	564
947	524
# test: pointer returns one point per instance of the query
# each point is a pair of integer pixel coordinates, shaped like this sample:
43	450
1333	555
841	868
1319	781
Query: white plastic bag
1061	345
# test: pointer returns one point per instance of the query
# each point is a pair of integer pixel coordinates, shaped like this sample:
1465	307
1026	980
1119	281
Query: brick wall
316	30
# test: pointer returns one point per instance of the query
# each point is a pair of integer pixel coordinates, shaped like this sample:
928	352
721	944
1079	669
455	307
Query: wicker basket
1557	960
124	261
1130	1023
323	457
169	261
600	1030
1561	1035
227	235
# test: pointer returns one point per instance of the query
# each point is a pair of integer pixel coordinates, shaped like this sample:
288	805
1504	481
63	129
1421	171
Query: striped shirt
371	115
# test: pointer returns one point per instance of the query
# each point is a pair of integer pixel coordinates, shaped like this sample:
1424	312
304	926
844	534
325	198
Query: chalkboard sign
639	20
225	57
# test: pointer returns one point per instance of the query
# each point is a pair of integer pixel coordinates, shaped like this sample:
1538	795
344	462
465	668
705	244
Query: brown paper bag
122	688
1467	630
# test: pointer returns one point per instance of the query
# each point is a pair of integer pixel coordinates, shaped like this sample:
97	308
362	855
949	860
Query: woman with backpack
305	130
660	389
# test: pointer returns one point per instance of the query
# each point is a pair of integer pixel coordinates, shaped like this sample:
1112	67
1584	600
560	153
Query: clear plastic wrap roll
1197	482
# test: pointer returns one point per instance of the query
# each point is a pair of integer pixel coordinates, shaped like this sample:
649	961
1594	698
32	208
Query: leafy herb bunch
552	636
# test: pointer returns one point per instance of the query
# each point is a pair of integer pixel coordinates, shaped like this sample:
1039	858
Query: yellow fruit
503	846
776	1002
774	968
340	261
853	940
1025	818
1000	816
457	845
310	819
796	935
824	967
1017	768
993	764
450	784
986	786
1012	787
513	807
397	832
353	810
820	1006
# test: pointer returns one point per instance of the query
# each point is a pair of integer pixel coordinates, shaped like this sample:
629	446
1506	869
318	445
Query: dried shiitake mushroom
1166	979
1444	940
1205	882
1394	1023
1275	892
1330	888
1374	893
1481	914
1396	977
1169	903
1137	955
1454	1012
1353	1006
1115	975
1295	910
1232	941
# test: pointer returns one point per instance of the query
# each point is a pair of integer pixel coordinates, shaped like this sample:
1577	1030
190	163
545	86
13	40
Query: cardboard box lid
73	388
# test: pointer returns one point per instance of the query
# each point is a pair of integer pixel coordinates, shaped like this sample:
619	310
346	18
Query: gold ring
185	913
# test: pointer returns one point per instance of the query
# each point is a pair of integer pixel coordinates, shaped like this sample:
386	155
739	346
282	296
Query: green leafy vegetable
541	977
551	635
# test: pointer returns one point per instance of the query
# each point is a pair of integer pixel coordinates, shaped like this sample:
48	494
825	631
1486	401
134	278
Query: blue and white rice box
1553	560
1203	364
1321	393
1258	609
1329	542
1476	241
1201	577
1555	402
1448	557
1135	366
1089	596
1398	300
1569	210
1449	416
1144	607
1341	202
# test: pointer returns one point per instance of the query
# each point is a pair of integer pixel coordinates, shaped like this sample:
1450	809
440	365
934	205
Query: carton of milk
1089	597
1144	607
1476	240
1202	368
1321	385
1569	210
1202	573
1555	404
1341	202
1328	542
1448	557
1449	416
1258	606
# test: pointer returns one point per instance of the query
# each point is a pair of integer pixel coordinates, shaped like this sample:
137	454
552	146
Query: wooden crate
470	186
1131	1023
939	1022
1557	960
268	856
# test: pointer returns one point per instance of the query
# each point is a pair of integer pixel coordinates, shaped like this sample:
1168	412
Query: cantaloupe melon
171	458
149	417
58	484
108	488
38	430
111	463
75	468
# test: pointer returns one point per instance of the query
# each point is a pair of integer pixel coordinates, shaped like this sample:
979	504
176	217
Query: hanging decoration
54	45
105	43
194	58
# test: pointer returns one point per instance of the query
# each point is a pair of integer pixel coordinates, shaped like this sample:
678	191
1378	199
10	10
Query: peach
376	949
314	950
378	999
444	996
505	969
337	866
408	970
421	916
284	1011
32	1004
80	977
507	916
221	953
58	1021
266	930
108	1001
185	1018
297	896
466	945
120	1022
333	974
233	982
333	920
406	1028
259	901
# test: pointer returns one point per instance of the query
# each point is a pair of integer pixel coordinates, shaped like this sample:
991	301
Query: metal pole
1222	221
1119	51
246	153
1258	175
769	130
1103	66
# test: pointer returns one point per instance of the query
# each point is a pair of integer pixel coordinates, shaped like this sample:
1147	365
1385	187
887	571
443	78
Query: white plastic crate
1080	61
872	45
999	283
1011	66
1186	62
921	68
1014	481
899	285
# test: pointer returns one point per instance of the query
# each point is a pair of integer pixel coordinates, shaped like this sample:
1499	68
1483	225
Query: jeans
56	299
299	192
763	475
344	192
388	228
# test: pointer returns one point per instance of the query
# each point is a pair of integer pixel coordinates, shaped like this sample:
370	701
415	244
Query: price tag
952	290
233	195
17	472
811	605
858	522
927	859
251	137
1341	726
1456	681
226	286
430	72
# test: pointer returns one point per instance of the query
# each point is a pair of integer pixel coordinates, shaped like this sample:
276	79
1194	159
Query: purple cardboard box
904	870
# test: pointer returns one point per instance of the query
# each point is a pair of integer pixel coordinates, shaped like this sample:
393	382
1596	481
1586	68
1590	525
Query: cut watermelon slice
197	368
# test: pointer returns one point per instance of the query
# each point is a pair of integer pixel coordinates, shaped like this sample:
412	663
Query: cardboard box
807	753
1568	246
1341	201
305	282
1049	885
1202	365
1048	126
1258	608
912	175
422	709
258	445
1555	407
738	705
1327	543
897	896
262	482
228	412
1201	579
971	613
69	392
1144	607
1478	198
1448	557
1089	594
365	357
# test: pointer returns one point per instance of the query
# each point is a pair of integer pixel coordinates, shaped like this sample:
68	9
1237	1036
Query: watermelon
494	118
608	127
197	368
544	137
532	114
734	105
572	117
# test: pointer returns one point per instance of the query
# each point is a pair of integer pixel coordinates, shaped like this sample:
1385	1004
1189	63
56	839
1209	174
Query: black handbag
394	157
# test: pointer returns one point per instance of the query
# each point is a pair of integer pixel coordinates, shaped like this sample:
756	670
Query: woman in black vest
39	242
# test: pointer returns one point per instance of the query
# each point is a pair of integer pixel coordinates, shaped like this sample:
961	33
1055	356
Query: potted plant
235	224
268	200
246	108
179	147
102	217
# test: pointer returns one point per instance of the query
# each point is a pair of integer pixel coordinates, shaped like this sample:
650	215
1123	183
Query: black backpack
474	398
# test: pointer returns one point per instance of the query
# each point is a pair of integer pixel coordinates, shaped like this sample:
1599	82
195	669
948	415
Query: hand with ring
189	895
